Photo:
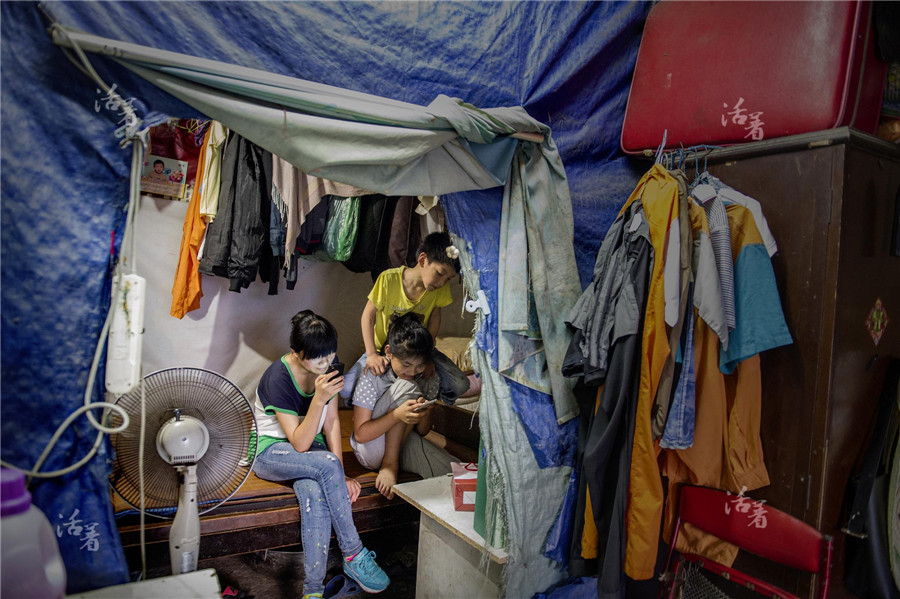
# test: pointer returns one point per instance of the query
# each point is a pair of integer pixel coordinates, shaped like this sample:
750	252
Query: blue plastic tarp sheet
64	178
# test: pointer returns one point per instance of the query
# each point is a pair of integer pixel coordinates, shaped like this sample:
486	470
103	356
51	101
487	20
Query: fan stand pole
184	536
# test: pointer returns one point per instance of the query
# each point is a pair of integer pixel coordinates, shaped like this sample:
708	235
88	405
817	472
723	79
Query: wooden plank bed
264	515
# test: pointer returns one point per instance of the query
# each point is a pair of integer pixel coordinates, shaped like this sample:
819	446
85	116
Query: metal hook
696	165
660	152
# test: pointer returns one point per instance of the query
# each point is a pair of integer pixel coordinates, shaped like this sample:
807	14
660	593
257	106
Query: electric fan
196	441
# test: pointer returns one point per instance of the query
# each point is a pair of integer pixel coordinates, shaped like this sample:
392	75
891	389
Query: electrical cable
137	158
128	258
143	498
62	427
132	122
130	132
425	453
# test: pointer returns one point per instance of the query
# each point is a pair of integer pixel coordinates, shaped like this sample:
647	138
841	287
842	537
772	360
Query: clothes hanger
660	152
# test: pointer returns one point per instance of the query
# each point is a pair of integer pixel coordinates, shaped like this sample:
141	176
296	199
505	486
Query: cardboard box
462	486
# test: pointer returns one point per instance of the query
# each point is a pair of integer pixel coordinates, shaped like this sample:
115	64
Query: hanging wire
131	133
130	130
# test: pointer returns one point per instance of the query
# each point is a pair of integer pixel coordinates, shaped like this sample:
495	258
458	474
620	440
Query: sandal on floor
340	586
233	593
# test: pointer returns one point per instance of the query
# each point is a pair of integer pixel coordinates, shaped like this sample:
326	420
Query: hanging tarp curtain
396	147
399	148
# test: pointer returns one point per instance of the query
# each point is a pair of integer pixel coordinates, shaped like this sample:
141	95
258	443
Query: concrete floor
279	574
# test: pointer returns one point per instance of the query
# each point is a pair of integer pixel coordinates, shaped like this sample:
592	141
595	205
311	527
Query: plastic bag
341	227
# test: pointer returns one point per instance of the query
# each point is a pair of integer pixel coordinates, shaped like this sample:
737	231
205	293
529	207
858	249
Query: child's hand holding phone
423	406
336	367
407	412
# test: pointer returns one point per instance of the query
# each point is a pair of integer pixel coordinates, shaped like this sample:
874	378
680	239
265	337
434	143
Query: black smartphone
336	366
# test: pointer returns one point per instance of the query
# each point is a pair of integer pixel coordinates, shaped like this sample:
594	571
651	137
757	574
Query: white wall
239	334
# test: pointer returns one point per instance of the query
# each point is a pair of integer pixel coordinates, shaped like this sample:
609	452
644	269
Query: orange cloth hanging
186	290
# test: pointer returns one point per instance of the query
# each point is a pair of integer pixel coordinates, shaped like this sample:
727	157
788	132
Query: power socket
123	352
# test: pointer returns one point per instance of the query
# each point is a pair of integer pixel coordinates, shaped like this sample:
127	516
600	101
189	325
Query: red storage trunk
722	73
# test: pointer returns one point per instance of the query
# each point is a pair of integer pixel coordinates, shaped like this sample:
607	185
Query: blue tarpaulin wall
65	183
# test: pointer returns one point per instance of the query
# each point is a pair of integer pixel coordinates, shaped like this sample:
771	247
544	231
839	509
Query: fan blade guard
194	394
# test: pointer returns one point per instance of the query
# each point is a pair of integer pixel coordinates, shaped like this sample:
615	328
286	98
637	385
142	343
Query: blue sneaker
366	572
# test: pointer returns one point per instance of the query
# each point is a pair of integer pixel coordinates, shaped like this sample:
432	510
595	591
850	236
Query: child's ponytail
408	337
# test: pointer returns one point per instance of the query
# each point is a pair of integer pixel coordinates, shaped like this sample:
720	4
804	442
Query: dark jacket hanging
405	233
376	214
237	240
605	464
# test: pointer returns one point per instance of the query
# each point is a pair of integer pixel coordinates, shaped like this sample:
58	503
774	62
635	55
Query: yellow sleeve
381	290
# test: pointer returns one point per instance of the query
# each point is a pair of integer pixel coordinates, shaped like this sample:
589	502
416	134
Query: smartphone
336	366
422	406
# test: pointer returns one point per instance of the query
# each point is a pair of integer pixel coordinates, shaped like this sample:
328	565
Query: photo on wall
164	176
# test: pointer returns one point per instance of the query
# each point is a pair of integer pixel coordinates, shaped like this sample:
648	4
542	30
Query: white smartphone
422	406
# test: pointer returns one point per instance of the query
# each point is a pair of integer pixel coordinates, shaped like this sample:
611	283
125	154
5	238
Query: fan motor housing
182	440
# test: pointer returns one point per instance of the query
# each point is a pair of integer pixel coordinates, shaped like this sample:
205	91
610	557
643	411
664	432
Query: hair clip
452	252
